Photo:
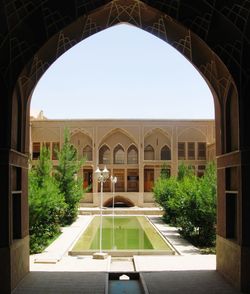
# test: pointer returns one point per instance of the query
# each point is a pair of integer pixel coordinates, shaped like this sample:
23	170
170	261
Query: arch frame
121	147
110	150
220	78
118	198
117	130
132	146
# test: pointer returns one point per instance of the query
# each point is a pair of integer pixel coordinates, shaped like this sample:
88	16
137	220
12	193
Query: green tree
164	190
185	171
165	172
207	197
66	174
189	203
46	203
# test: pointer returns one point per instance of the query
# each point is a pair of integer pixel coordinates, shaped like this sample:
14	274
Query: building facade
132	150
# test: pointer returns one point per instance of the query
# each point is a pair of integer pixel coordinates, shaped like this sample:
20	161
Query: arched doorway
212	36
119	201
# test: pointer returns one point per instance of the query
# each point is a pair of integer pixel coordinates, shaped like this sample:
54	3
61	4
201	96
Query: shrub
189	202
166	189
70	185
46	204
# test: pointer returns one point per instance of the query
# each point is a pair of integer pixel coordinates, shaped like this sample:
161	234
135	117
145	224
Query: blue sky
123	72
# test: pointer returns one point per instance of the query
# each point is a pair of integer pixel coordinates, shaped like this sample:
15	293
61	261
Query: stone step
121	211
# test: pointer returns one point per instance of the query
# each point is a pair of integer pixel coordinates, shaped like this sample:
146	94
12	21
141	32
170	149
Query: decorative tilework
64	43
184	45
175	21
170	7
125	13
238	13
159	29
89	28
201	25
231	52
53	20
16	11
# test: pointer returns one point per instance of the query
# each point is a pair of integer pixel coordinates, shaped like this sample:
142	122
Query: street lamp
113	181
102	176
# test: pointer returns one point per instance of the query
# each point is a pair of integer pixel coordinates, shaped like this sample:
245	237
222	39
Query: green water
121	233
127	234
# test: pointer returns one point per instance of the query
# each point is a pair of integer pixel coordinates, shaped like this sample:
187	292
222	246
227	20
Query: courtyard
54	271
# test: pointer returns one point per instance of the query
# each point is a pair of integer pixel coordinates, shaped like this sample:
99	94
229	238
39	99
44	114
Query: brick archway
212	36
125	202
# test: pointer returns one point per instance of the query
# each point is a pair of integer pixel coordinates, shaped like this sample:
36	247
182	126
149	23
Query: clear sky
123	72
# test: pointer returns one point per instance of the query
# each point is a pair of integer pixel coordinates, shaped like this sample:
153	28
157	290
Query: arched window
104	155
119	155
149	153
132	155
165	153
87	153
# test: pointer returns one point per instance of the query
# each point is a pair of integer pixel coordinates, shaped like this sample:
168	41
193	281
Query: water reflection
122	233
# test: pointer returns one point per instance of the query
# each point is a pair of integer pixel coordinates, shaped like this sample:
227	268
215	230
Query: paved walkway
189	272
59	248
171	234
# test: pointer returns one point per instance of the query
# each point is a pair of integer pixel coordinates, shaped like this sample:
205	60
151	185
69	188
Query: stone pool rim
125	252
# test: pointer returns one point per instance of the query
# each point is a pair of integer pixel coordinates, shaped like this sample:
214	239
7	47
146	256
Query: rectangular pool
122	236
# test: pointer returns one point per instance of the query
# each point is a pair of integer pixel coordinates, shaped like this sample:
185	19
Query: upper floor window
104	155
119	155
149	153
181	150
165	153
132	155
87	153
202	151
191	150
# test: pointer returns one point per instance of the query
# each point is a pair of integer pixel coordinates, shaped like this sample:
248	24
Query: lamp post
102	176
113	181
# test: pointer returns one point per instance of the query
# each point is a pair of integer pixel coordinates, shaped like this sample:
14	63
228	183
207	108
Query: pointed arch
104	155
165	153
119	155
196	40
132	155
198	134
119	201
149	153
117	131
158	130
87	153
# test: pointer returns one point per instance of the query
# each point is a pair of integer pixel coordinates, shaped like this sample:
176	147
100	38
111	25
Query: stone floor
54	271
189	282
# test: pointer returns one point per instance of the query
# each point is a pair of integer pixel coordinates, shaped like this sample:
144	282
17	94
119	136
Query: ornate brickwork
53	20
184	45
16	11
213	34
238	13
90	27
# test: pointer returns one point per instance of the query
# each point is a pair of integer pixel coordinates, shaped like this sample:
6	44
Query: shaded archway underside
119	201
172	23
